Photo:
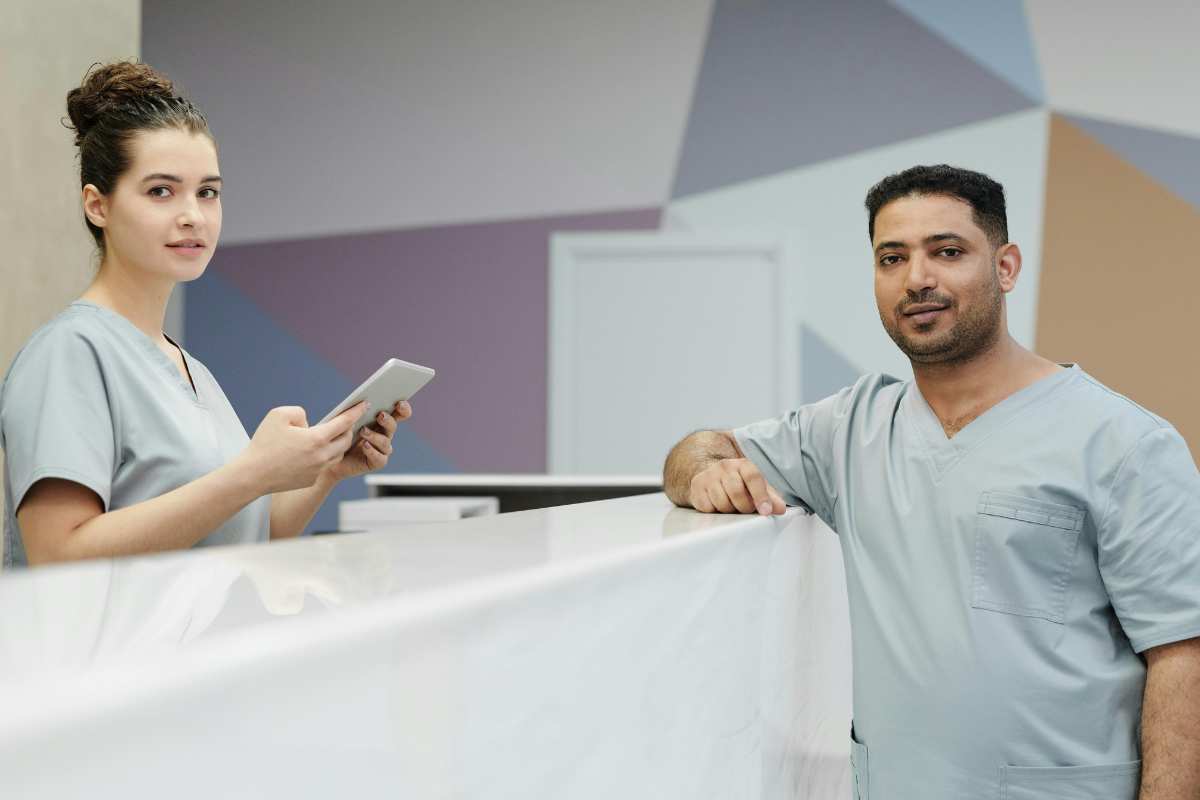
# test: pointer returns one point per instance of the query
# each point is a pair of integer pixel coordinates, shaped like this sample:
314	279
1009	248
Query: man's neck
959	392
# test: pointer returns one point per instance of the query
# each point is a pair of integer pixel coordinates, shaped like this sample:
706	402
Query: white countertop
513	479
74	616
621	648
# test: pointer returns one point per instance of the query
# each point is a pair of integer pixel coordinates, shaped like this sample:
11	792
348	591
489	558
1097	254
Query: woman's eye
160	191
209	193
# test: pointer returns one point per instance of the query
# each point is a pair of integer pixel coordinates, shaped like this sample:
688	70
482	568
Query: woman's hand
287	454
372	448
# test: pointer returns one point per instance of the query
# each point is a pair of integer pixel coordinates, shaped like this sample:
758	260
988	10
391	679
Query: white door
656	335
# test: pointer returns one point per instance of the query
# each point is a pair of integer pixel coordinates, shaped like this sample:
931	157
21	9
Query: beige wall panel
46	253
1118	289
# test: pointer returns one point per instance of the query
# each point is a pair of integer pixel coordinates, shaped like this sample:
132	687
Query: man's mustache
923	298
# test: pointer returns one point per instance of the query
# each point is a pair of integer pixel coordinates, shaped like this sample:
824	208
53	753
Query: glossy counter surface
621	648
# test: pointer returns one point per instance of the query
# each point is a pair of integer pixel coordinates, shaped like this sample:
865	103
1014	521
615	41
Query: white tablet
396	380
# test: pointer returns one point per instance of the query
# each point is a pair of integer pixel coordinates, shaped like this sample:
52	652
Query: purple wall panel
469	300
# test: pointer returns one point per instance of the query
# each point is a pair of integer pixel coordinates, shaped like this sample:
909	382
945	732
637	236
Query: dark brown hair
115	102
984	195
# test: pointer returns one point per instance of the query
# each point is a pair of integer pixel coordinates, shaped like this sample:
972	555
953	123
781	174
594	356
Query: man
1021	544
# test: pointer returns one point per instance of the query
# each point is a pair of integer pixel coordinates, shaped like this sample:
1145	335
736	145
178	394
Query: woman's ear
95	206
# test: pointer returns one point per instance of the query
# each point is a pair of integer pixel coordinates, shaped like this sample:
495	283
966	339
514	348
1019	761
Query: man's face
939	293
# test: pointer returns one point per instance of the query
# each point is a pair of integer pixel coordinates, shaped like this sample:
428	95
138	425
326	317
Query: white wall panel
653	336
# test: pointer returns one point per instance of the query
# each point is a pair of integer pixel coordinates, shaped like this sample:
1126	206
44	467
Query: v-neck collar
152	349
945	452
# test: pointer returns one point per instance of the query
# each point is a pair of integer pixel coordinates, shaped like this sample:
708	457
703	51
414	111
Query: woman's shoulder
77	330
77	323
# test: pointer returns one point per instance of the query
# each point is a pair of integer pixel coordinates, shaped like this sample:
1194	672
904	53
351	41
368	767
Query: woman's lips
187	249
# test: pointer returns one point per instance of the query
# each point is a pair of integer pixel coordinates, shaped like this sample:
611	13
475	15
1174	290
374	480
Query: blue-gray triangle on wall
1171	159
823	370
786	83
995	33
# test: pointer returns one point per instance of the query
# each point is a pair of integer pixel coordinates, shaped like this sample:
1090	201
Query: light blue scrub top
1001	583
92	399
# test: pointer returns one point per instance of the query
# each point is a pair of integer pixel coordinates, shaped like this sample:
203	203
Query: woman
117	441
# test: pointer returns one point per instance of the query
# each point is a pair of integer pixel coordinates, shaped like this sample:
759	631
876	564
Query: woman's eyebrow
162	176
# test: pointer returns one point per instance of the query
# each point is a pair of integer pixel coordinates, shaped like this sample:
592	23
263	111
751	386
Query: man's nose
919	276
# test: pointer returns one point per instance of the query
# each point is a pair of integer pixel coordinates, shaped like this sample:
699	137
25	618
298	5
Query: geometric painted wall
801	106
1117	291
394	173
304	321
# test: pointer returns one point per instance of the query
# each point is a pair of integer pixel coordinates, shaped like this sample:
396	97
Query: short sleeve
793	453
1149	542
55	415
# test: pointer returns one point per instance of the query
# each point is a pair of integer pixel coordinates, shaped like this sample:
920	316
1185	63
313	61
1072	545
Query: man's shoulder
871	389
1102	408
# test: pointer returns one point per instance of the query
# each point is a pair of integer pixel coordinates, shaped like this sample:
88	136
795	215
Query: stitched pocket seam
1064	521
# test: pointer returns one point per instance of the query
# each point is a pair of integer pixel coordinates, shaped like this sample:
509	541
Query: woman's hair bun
108	87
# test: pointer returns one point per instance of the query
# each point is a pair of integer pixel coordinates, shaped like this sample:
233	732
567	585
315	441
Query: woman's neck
135	295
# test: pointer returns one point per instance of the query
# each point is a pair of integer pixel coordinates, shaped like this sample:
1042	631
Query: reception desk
514	492
616	649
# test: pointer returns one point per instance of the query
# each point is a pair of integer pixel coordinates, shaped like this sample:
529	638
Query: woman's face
163	217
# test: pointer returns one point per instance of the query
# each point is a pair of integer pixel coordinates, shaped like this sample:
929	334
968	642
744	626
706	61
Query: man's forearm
1171	723
690	456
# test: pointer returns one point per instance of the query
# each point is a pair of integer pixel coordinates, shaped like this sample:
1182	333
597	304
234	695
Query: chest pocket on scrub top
1024	550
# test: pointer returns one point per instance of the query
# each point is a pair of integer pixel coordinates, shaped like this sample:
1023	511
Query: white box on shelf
386	512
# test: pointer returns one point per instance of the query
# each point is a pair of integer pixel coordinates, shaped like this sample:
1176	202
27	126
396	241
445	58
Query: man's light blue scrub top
92	399
1001	582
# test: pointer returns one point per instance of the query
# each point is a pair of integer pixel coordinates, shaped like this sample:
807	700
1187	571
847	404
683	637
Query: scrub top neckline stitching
187	364
955	449
927	446
164	361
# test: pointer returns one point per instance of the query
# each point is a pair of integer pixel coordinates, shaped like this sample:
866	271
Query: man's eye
160	191
952	252
888	261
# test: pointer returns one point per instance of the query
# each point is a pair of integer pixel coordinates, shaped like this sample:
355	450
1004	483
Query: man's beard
970	335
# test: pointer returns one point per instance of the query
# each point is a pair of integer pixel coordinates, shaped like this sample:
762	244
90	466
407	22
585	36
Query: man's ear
95	206
1008	266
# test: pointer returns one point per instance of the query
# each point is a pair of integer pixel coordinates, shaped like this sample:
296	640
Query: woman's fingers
386	422
375	459
381	442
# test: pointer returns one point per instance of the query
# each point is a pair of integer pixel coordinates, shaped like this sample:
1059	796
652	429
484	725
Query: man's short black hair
984	195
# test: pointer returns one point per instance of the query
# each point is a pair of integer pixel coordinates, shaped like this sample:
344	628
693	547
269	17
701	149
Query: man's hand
733	485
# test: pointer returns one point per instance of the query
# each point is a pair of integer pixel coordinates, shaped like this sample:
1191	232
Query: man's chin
929	350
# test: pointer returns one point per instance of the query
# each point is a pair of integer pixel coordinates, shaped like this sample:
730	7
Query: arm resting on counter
65	521
695	453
